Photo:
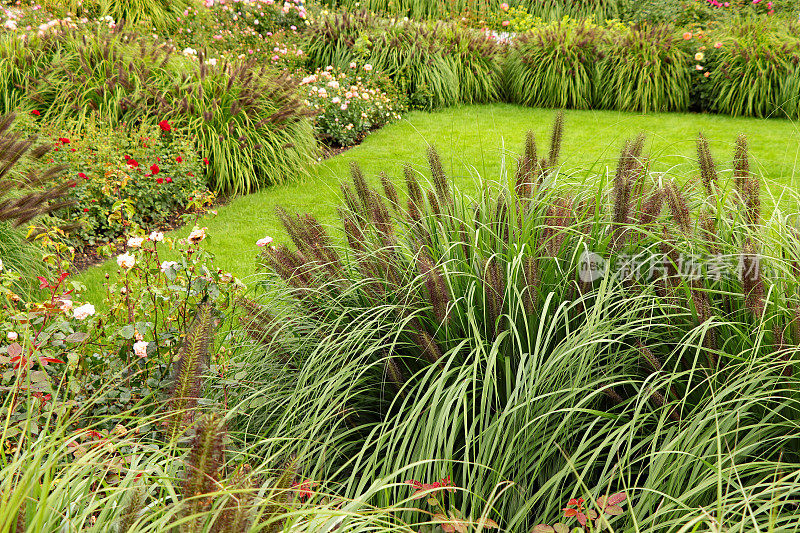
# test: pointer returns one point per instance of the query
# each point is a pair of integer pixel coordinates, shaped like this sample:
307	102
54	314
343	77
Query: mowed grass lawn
473	141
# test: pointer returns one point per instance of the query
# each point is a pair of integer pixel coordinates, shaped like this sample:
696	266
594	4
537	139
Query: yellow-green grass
473	140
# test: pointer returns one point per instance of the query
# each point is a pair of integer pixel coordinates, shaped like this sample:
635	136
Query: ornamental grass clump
114	74
758	72
645	70
574	338
555	66
251	126
434	64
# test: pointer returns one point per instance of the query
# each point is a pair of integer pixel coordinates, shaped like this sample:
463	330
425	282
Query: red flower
85	209
35	113
158	159
154	169
205	160
303	489
72	184
63	140
133	163
164	125
423	488
82	175
190	174
127	157
159	180
72	150
179	159
168	180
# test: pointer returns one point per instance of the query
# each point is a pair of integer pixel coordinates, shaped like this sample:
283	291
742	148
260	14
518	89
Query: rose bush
128	181
351	102
61	349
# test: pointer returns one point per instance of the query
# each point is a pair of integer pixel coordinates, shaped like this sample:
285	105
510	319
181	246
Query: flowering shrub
262	29
62	349
351	102
124	182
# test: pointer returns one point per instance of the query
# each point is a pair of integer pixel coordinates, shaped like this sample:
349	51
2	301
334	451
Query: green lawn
472	141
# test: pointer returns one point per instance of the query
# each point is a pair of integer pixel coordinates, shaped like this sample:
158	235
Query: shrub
125	182
452	336
243	29
350	103
645	70
555	66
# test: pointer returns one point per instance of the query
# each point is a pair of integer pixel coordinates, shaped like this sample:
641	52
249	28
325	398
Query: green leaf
127	332
78	336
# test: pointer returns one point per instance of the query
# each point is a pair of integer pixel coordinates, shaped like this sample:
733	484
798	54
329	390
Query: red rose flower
159	180
168	180
35	113
164	125
85	209
154	169
127	157
82	175
72	184
133	163
179	159
63	140
205	160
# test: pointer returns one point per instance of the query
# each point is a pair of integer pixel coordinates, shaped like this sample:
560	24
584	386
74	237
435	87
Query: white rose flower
367	67
264	242
84	311
126	260
135	242
156	236
197	235
140	348
12	336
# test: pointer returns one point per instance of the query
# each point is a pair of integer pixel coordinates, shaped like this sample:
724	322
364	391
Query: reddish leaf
43	283
592	514
542	528
601	502
15	349
573	501
617	498
569	513
581	519
52	360
561	528
613	510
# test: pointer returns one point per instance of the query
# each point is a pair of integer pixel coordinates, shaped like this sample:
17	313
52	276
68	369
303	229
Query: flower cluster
123	183
349	103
